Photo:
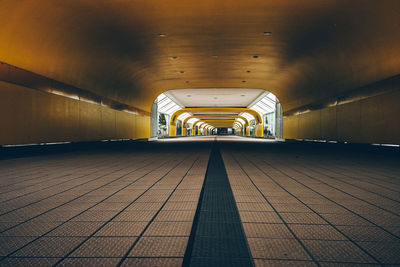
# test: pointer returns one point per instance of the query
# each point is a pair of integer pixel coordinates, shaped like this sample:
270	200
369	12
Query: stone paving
300	205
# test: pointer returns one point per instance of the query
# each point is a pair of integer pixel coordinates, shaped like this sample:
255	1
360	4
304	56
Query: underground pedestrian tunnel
199	133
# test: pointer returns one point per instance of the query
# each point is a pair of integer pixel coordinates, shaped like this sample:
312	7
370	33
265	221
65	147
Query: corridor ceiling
132	50
216	97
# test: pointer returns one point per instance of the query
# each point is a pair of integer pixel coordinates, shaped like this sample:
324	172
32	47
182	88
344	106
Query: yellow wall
31	116
372	120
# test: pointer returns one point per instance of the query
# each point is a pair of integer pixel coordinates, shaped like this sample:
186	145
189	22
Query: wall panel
310	125
31	116
291	127
329	123
371	120
108	123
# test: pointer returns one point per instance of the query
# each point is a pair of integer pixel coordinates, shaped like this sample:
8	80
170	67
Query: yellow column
183	131
260	130
172	130
247	131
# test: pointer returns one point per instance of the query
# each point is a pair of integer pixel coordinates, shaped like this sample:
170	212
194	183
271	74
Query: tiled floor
300	205
317	208
99	209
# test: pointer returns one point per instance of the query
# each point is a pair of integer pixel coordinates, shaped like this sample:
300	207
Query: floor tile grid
283	234
150	168
97	168
366	215
168	237
390	178
358	244
391	205
17	173
159	178
46	192
333	170
327	167
390	190
10	170
114	168
386	166
308	171
313	242
88	161
56	204
339	164
149	165
52	165
31	182
366	184
53	174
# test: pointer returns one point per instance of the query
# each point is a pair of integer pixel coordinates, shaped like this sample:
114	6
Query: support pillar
172	130
260	130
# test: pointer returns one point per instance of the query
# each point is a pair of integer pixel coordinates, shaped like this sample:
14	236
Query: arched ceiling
132	50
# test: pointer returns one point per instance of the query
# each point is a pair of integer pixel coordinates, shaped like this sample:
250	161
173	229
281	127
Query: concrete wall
31	116
371	120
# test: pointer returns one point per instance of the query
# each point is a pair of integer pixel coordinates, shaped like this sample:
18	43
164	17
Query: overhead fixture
248	70
162	35
187	81
244	81
214	56
181	72
267	33
189	96
215	97
242	95
174	57
255	56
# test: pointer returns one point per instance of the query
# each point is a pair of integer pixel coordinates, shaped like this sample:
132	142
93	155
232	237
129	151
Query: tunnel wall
375	119
31	116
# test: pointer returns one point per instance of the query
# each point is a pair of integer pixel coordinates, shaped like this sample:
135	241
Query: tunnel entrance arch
175	112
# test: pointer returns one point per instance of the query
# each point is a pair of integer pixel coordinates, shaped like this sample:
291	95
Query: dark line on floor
217	237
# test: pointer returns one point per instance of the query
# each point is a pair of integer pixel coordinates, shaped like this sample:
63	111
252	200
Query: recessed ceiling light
243	81
242	95
187	81
255	56
174	57
181	72
248	70
162	35
267	33
189	96
215	97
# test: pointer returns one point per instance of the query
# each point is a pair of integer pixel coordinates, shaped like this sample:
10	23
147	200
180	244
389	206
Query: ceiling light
215	97
187	81
189	96
181	72
242	95
174	57
162	35
248	70
243	81
267	33
255	56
